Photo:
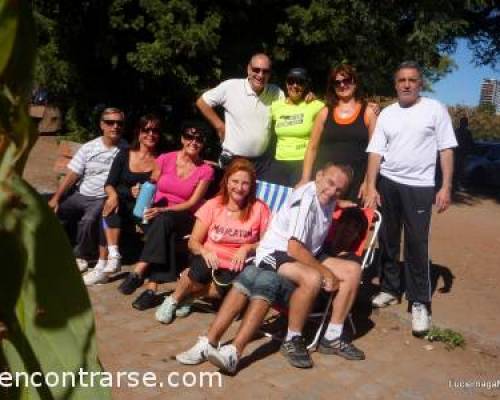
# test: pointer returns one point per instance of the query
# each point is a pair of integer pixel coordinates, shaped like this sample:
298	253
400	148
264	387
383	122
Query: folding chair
275	196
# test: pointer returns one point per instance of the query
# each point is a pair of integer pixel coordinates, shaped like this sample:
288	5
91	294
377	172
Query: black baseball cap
298	73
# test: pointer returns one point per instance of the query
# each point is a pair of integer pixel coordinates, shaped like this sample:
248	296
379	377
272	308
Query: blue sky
462	86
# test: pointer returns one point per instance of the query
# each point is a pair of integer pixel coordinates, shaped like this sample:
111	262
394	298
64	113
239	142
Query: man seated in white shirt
293	245
88	171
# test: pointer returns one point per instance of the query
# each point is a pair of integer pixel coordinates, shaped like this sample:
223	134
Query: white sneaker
94	277
226	358
82	264
196	354
384	299
165	313
421	320
113	265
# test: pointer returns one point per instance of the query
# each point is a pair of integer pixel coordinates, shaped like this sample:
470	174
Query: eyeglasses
112	122
295	81
152	131
343	82
197	138
257	70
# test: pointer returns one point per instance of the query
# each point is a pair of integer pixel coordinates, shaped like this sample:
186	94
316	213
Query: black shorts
275	260
200	272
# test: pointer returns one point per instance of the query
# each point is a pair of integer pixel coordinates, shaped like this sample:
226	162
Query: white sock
333	331
101	264
291	334
113	251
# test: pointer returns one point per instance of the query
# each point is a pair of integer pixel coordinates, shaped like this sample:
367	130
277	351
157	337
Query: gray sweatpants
85	212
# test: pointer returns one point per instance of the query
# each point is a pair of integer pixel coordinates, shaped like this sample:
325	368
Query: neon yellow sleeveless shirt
293	124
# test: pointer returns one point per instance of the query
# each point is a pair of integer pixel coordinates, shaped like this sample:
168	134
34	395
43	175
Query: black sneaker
130	283
147	299
341	348
296	352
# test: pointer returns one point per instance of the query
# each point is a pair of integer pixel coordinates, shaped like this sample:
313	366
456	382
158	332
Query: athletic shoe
132	282
226	358
82	264
384	299
165	313
341	348
184	309
421	320
147	299
196	354
95	276
113	265
296	353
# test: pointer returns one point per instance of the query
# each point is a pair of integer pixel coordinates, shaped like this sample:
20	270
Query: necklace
230	212
345	112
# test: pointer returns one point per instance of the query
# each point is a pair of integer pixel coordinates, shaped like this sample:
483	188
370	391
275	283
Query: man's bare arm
303	255
68	182
212	117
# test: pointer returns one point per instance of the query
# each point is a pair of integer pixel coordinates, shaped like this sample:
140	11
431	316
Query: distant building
490	93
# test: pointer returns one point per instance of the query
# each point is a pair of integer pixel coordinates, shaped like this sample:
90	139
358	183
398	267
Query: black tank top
344	143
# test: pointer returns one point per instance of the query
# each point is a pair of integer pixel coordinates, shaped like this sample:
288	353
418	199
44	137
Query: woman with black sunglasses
182	181
342	129
131	168
292	119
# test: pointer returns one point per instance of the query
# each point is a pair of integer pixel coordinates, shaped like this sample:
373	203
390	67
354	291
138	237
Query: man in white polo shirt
404	146
246	102
89	169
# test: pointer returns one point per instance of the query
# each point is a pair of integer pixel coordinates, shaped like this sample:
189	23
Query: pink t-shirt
225	234
174	189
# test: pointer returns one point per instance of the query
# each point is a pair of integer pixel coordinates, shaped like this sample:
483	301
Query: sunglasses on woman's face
151	131
343	82
197	138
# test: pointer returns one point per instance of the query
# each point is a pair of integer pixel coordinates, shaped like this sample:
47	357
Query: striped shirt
92	162
302	218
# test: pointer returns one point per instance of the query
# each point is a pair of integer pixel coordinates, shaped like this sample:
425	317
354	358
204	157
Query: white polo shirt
303	218
247	115
409	138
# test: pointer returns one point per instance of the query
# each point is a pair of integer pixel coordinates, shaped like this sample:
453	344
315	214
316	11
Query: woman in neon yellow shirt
293	119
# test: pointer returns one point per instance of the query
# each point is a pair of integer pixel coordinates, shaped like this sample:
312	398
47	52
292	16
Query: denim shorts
265	284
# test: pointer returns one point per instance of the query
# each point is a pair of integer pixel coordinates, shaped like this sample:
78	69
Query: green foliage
487	108
449	337
140	54
46	322
483	123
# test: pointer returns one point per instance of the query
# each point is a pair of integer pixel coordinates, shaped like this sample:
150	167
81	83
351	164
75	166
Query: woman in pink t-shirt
227	231
182	181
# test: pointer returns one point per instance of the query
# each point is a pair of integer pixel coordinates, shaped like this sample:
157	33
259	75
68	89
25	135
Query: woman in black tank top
342	130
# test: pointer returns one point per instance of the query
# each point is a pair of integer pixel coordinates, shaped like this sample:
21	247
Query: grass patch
449	337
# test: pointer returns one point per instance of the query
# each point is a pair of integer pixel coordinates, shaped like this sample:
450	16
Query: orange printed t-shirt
226	234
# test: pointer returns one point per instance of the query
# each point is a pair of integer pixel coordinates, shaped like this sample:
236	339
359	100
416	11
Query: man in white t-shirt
89	169
246	129
407	138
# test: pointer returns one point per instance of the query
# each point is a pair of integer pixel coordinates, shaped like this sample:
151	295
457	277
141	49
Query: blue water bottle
144	200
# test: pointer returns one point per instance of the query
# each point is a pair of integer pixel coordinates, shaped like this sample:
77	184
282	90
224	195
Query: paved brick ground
464	241
398	366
